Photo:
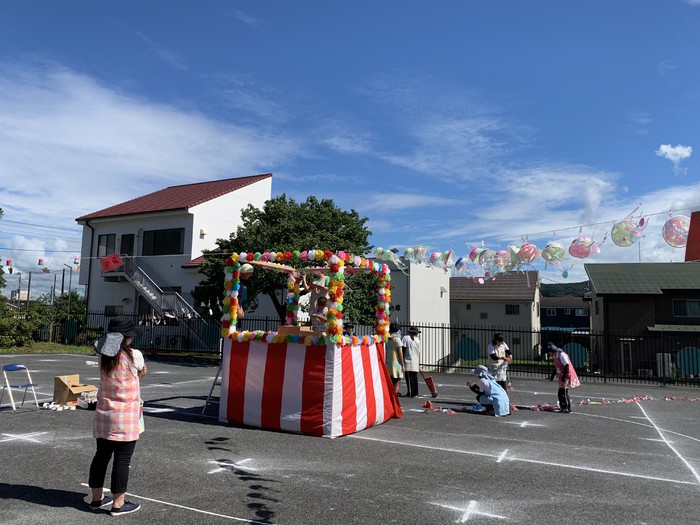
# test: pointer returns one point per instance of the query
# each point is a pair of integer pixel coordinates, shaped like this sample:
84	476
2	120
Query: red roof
176	197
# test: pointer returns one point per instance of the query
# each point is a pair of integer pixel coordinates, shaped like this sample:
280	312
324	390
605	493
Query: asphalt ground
622	463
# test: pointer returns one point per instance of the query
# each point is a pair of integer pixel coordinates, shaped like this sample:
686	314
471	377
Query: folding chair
9	386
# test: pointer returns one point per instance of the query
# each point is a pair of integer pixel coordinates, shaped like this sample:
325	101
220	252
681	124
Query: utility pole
70	283
29	287
19	291
63	279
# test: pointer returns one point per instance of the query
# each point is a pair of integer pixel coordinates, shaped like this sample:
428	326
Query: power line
40	225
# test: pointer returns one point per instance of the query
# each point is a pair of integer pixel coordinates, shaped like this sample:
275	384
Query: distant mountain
559	290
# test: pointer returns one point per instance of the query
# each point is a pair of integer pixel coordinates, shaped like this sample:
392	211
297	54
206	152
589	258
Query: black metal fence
664	358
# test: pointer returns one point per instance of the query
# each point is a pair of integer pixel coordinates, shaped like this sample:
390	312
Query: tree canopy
282	225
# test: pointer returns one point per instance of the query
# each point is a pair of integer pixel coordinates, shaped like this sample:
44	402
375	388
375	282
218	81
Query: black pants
411	383
122	451
564	399
504	384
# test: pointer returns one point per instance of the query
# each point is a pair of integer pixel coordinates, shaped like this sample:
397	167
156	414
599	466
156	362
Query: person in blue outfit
489	392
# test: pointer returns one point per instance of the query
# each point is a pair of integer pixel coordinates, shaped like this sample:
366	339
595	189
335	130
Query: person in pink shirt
117	415
565	372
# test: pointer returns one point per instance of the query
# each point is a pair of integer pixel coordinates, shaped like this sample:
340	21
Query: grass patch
48	348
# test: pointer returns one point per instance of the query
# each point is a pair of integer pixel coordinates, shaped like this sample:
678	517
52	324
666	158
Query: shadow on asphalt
41	496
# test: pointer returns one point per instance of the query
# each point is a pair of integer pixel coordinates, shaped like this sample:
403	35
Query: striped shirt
118	407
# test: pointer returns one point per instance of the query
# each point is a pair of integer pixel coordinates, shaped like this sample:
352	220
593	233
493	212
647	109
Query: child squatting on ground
490	393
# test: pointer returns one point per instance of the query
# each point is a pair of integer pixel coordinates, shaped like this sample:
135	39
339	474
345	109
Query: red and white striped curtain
324	391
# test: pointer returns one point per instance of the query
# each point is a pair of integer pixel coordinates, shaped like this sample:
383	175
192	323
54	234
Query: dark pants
564	399
122	451
411	383
503	384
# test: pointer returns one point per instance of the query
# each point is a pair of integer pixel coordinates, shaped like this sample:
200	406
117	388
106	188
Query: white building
156	236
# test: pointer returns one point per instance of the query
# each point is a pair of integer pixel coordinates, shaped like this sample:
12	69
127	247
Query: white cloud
639	121
70	145
247	19
692	2
675	154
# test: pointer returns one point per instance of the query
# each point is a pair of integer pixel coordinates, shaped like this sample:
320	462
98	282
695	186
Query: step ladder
216	382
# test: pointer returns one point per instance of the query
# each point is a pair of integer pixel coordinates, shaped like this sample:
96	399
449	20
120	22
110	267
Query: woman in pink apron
565	373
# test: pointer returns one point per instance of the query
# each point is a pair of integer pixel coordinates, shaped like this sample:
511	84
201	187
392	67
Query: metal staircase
163	299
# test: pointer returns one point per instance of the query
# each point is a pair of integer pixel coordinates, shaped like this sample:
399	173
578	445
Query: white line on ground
658	440
200	511
469	511
534	461
502	456
668	443
525	424
23	437
640	424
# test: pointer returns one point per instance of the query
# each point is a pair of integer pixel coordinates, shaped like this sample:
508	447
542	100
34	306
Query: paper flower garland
336	264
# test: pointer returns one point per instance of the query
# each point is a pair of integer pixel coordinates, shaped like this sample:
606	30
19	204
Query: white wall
426	303
222	216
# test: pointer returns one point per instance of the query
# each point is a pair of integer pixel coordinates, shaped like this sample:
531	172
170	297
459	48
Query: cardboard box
297	330
67	389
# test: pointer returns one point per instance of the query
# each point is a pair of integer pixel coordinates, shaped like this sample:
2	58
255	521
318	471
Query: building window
127	244
581	312
597	308
512	309
469	306
551	312
567	311
686	308
111	311
106	245
483	315
164	242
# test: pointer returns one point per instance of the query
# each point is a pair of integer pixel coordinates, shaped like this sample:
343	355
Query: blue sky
450	124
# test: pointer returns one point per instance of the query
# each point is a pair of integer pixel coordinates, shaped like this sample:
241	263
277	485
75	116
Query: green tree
361	298
59	311
281	225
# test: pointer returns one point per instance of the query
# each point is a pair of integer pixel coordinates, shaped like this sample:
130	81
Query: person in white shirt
318	315
500	356
411	356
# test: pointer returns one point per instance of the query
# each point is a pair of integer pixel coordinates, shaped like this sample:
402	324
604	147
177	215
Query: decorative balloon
628	231
446	260
415	254
474	255
527	253
501	261
675	231
462	265
554	253
435	259
582	247
387	255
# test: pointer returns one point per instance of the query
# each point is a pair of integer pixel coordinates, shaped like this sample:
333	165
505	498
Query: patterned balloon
626	233
528	253
675	231
474	254
501	260
461	266
553	253
582	247
486	258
